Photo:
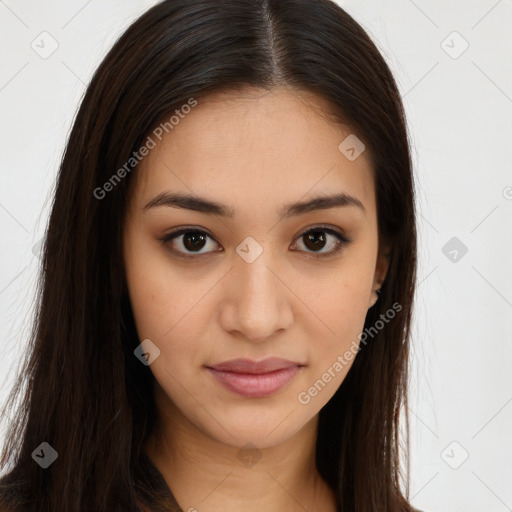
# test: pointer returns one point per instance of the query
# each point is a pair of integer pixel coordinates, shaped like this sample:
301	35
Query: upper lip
255	367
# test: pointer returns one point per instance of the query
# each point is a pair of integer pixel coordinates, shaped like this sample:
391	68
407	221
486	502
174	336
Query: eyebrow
204	205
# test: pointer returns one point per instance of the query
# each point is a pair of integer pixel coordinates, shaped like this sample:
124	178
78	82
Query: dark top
154	480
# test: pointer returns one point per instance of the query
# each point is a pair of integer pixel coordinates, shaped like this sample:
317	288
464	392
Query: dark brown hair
81	389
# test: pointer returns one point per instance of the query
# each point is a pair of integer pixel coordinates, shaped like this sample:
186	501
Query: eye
318	238
188	239
187	242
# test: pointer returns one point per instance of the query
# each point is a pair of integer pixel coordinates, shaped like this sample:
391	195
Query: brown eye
319	242
318	238
193	241
314	240
188	242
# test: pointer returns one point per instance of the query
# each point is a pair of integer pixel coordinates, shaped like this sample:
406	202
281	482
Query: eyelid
328	228
187	229
343	240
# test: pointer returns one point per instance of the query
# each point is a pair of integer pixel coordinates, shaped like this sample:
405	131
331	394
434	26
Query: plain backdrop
452	61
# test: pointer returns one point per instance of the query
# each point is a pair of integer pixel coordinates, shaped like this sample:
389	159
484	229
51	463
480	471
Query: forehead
255	147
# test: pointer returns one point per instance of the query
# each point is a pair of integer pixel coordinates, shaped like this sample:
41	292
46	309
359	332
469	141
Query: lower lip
255	385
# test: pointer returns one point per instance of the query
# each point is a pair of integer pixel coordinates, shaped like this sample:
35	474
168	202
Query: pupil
197	241
316	239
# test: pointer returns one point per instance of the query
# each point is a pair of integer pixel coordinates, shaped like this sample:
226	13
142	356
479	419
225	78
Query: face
251	277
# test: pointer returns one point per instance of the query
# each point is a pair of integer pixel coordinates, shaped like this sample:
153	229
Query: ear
381	269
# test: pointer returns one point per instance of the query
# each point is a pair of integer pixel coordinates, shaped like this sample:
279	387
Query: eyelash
342	242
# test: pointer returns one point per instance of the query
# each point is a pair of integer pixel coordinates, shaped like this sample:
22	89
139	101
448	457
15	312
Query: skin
253	151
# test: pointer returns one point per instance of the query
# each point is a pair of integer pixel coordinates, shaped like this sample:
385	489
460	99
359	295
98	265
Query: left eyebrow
322	203
208	206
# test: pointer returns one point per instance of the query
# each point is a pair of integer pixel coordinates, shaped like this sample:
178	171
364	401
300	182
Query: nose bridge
255	278
258	302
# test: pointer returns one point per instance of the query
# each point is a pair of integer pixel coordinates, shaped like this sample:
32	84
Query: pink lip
255	379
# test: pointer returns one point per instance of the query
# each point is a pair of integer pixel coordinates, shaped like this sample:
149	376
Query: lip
268	365
255	379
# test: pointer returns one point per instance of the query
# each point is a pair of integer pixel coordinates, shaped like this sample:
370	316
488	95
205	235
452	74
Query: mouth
255	379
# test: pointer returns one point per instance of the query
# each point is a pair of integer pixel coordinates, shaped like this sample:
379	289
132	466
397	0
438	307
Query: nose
256	304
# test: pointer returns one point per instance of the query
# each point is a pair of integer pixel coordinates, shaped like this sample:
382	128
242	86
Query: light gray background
459	109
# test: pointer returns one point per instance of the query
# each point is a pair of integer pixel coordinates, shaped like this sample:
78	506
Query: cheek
167	306
148	281
333	336
170	307
346	309
337	304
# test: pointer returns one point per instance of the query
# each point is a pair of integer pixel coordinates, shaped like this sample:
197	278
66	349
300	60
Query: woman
228	274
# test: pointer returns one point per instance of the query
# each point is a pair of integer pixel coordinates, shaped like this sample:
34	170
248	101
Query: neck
208	475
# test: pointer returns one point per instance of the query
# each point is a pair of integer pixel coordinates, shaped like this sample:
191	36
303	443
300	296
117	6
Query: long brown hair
82	390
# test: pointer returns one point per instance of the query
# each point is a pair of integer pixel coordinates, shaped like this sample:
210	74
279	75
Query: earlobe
375	294
381	269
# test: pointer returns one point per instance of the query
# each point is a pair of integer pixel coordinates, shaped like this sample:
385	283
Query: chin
261	430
